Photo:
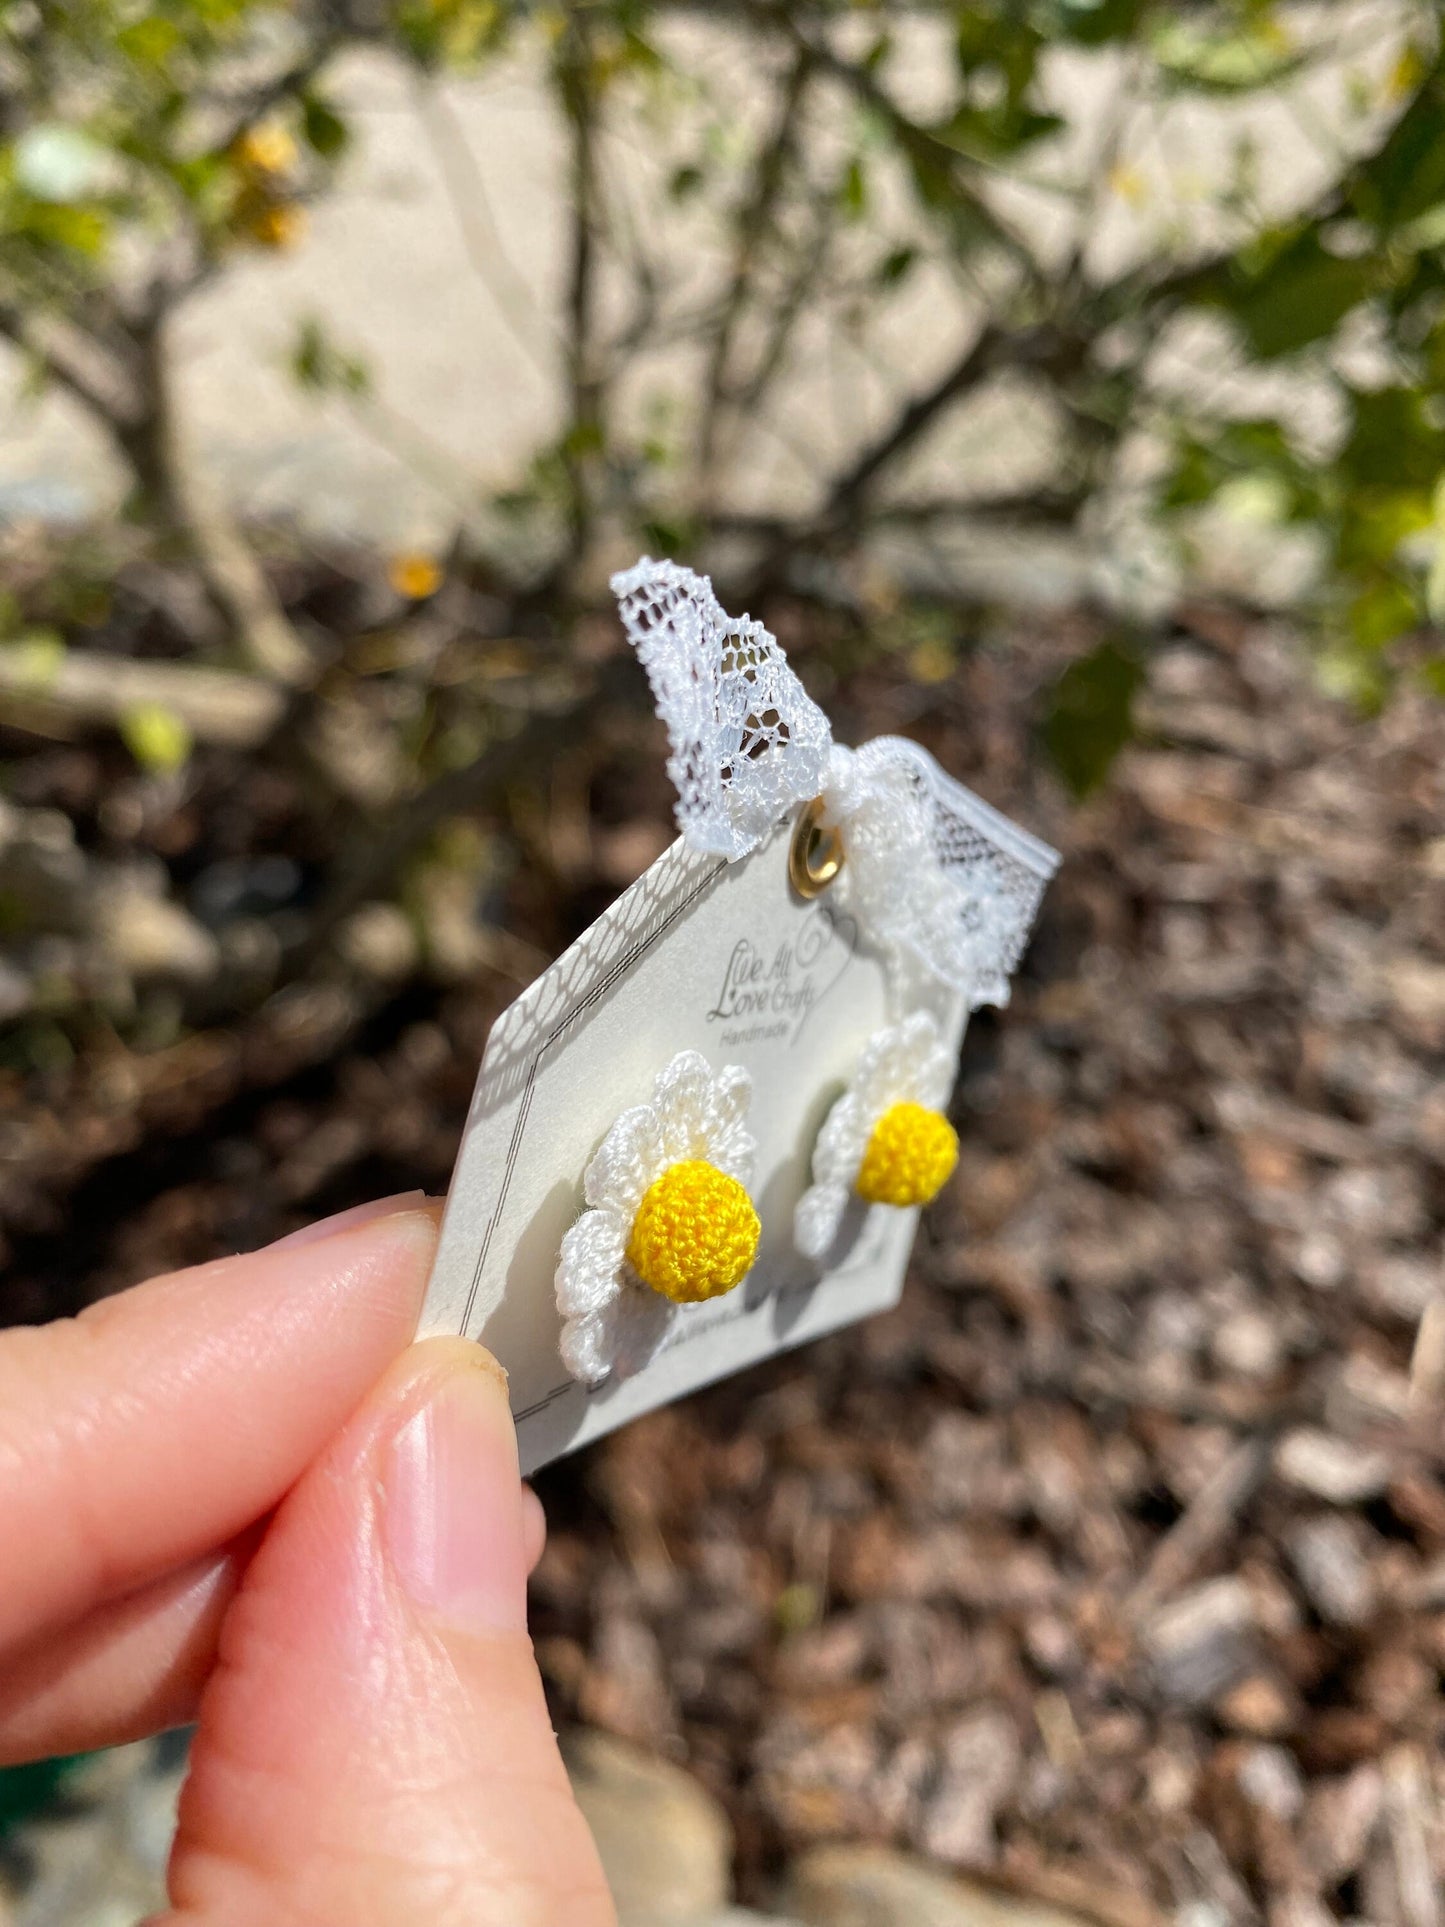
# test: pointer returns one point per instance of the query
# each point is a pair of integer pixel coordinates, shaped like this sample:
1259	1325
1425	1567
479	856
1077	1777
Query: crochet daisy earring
668	1223
886	1139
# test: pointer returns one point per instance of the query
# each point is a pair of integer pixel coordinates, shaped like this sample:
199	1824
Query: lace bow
931	871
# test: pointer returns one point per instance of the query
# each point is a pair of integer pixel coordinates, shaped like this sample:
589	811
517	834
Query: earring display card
700	954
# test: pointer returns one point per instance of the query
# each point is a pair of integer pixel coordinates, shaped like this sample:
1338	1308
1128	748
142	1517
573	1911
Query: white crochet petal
685	1100
935	1076
818	1215
842	1141
734	1148
589	1267
920	1058
885	1071
588	1345
626	1162
732	1093
747	741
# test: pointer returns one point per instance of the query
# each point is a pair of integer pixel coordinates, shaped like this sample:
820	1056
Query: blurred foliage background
908	323
1055	377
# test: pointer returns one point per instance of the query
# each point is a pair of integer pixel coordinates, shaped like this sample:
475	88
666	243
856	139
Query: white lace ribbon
747	739
930	870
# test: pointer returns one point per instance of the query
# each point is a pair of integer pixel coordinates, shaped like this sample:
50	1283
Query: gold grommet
815	855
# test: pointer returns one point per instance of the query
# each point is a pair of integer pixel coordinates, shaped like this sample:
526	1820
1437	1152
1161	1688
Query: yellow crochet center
695	1234
910	1156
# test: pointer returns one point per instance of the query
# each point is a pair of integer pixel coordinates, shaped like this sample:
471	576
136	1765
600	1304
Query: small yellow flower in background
1129	184
277	224
931	661
1406	74
266	150
414	575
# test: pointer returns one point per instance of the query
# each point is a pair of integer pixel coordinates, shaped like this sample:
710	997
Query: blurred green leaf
895	266
318	364
326	132
150	40
853	190
1407	177
1381	614
27	1789
1229	61
158	738
993	134
1297	297
1392	439
1091	714
1092	23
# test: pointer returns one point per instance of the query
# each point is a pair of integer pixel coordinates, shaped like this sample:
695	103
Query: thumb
374	1745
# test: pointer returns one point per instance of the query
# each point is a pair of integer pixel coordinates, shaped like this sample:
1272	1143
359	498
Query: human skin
237	1495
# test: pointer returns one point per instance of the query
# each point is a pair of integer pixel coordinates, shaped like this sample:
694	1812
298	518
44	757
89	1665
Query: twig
849	492
584	436
754	220
744	399
1214	1509
1052	507
382	853
1407	1801
75	360
187	503
467	196
919	144
216	705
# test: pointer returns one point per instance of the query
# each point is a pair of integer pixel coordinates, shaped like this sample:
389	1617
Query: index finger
161	1422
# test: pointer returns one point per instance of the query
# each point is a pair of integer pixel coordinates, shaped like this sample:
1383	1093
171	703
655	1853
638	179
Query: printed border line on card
598	990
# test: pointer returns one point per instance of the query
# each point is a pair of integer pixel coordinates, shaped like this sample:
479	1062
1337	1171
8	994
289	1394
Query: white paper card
702	954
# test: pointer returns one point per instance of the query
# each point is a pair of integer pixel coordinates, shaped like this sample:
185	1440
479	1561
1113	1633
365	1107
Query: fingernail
311	1234
454	1527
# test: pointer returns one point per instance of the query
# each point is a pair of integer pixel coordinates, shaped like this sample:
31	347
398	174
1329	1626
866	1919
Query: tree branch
379	856
466	192
579	101
919	145
1049	507
754	219
74	361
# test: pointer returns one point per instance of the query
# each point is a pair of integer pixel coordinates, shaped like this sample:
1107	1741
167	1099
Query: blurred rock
149	936
981	1761
14	991
1326	1553
1258	1705
1269	1777
871	1887
42	869
665	1843
1331	1468
1339	1820
378	941
1202	1643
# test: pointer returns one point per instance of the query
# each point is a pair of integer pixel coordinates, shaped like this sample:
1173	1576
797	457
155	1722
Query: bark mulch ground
1114	1559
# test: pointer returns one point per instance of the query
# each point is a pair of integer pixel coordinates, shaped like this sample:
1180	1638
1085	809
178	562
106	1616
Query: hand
233	1493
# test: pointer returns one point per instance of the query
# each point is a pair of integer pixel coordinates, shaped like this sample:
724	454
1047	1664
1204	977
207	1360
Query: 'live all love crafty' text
766	996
